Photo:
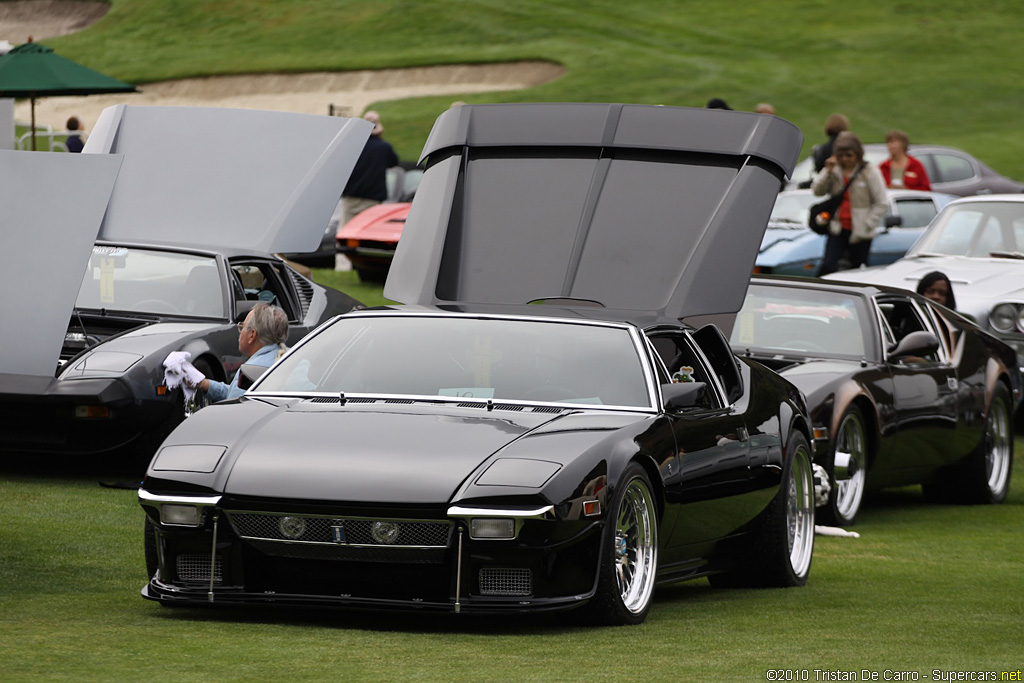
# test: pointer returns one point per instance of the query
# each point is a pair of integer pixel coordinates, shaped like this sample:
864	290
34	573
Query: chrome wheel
1000	448
635	552
800	513
849	467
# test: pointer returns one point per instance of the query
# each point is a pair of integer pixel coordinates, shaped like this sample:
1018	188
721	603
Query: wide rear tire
984	477
781	547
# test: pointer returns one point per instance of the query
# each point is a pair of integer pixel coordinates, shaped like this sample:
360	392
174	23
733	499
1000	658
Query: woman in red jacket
900	170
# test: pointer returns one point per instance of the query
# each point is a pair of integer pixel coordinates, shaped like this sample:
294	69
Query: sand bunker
348	93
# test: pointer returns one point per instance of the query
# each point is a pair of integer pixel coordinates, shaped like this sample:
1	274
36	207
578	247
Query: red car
370	238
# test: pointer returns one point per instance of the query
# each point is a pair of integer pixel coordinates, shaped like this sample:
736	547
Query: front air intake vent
516	582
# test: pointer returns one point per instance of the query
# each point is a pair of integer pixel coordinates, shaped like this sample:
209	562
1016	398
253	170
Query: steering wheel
548	392
155	306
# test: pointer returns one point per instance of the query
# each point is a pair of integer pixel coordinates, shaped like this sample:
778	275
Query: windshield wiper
1006	254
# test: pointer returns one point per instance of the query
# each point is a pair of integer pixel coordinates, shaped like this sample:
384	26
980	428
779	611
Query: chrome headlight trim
157	503
491	515
1003	318
519	513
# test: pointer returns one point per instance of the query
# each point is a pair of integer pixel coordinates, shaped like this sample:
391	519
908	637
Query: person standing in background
937	287
368	185
834	125
900	170
74	141
864	203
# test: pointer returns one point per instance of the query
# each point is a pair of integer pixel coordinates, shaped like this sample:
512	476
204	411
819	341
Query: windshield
467	357
792	207
805	321
150	281
975	229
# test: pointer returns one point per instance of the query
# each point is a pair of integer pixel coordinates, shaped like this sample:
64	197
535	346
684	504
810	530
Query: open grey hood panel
642	208
225	178
51	206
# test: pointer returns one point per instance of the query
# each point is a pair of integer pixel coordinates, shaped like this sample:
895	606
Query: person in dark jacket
368	184
834	125
74	141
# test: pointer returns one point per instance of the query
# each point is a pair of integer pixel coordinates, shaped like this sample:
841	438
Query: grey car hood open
641	208
225	178
51	206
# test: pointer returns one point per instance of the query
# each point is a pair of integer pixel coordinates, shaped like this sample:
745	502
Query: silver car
978	242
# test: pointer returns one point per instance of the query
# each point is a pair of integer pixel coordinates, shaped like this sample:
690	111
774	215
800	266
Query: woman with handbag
863	204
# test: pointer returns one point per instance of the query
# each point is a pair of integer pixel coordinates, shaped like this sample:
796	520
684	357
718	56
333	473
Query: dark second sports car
908	391
535	429
186	232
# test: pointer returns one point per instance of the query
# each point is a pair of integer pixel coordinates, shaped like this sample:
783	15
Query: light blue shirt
219	391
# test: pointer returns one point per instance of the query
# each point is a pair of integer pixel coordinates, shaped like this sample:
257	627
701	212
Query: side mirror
893	221
918	343
684	395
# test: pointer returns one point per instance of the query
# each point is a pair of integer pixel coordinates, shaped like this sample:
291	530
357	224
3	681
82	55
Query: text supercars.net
890	675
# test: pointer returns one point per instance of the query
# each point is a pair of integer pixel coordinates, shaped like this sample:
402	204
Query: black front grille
387	533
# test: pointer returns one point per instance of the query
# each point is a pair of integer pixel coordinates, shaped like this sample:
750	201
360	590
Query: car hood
640	208
381	223
52	208
222	178
117	355
401	454
978	283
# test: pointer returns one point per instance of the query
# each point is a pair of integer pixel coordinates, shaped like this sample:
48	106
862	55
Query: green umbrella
33	70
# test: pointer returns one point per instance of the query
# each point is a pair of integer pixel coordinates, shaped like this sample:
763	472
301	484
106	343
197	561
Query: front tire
629	563
847	470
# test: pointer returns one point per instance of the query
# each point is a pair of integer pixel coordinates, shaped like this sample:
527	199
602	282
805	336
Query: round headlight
1003	318
1020	319
292	527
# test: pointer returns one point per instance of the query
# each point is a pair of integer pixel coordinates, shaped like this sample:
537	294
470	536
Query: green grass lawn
947	73
925	587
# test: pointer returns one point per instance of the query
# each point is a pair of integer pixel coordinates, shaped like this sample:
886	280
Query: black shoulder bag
822	212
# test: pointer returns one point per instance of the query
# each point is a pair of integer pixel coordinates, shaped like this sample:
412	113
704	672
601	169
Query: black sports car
536	429
186	233
908	391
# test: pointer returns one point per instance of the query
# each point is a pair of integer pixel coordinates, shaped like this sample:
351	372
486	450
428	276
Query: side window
681	360
261	282
902	318
951	168
915	213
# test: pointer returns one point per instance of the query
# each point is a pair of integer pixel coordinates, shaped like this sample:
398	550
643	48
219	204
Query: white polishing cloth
178	371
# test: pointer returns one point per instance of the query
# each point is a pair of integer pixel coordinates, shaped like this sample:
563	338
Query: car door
925	389
712	449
